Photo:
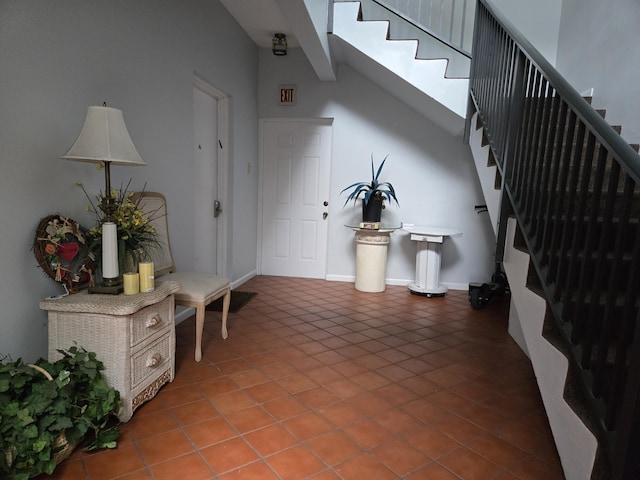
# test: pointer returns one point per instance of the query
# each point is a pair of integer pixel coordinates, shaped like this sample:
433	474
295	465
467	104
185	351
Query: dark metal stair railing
573	185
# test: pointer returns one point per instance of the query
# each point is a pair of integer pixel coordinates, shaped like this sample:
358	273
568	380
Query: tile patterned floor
320	381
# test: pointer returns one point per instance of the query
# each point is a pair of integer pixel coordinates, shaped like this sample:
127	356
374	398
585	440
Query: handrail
432	33
587	114
573	185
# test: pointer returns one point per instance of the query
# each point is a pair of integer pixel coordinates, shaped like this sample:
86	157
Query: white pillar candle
109	250
146	277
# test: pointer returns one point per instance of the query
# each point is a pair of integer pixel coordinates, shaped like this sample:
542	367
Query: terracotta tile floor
320	381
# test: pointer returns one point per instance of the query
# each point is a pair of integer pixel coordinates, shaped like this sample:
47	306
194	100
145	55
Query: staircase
568	234
562	191
392	64
576	444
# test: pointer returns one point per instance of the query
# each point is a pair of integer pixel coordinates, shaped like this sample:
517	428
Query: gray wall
432	171
539	21
56	59
599	48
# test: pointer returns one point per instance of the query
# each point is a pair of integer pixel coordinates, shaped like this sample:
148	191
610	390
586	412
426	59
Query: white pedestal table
429	240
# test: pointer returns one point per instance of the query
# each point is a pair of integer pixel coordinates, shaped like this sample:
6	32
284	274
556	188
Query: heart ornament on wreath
61	248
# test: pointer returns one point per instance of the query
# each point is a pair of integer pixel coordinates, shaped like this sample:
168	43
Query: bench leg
225	313
199	328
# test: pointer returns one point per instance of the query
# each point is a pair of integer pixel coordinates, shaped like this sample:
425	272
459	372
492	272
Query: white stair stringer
576	445
486	174
419	83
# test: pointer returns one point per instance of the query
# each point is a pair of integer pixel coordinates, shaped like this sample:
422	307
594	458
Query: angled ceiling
260	19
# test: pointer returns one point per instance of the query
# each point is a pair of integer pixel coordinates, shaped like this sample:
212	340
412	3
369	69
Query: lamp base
107	289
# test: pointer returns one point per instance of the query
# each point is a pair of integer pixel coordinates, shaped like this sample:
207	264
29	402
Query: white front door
205	148
296	158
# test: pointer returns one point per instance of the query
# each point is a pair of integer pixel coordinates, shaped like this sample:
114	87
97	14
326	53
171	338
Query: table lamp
104	139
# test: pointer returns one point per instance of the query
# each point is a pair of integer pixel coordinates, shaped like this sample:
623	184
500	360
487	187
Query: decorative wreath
61	248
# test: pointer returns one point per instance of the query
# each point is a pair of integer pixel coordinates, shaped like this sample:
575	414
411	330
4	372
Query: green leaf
4	384
24	417
40	445
31	431
103	439
63	378
61	423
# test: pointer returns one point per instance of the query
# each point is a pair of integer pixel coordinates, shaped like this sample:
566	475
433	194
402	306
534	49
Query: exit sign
287	94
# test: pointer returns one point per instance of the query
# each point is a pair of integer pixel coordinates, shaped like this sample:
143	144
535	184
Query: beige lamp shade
104	138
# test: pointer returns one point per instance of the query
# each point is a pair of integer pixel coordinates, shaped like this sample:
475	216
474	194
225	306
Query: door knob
325	215
217	208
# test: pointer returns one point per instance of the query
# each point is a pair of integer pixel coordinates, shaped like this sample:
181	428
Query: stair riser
548	180
549	204
581	313
609	241
586	269
537	108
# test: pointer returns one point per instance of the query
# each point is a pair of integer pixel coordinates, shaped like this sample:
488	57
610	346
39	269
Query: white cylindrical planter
371	259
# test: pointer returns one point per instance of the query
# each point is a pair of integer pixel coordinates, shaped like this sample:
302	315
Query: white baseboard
243	279
341	278
394	281
456	286
182	313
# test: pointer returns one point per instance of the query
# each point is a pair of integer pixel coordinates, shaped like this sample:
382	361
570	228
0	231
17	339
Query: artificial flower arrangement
69	253
136	232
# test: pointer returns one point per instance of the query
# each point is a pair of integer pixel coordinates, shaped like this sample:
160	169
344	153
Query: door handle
324	215
217	208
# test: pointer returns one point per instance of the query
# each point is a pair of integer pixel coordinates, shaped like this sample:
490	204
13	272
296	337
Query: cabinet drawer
151	360
150	320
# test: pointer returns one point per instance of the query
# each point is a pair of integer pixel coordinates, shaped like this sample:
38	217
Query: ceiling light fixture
279	44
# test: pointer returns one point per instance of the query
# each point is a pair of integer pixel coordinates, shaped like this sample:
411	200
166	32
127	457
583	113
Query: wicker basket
61	448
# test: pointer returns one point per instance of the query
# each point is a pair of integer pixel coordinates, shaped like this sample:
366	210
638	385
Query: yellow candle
146	277
131	283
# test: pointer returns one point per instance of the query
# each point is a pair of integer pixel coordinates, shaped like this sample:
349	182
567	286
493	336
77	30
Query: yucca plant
374	188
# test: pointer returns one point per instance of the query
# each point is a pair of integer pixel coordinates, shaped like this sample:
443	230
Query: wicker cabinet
133	335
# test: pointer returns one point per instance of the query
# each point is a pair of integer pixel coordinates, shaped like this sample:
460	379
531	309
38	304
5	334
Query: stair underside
391	64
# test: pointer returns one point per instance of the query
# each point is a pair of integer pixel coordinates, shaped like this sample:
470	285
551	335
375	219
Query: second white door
295	193
205	126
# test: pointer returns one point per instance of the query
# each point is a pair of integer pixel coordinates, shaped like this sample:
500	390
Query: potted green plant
49	408
374	193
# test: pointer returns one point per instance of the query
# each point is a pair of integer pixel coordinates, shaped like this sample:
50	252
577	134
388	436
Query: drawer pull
153	321
153	360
